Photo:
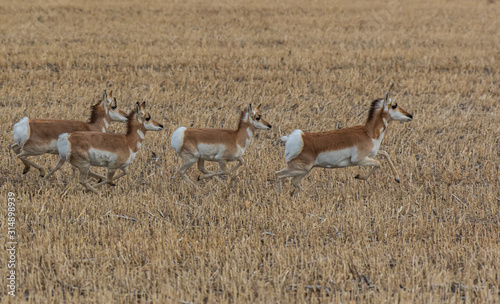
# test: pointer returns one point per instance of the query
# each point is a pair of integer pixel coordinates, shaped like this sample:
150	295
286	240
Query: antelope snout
269	126
161	126
410	117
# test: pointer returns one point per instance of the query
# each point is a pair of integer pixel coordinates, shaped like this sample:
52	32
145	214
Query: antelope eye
148	118
257	118
394	106
113	107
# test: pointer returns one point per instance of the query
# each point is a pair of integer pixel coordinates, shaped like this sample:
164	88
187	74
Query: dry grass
313	65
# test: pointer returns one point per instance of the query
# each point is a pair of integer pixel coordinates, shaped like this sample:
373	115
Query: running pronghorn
34	137
219	145
353	146
110	150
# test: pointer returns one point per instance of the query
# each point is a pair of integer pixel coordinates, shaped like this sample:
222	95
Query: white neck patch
249	138
141	135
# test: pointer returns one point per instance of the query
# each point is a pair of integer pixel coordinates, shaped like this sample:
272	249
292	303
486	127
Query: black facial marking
394	106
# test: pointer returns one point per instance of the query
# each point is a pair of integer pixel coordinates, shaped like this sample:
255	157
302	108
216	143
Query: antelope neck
377	124
101	121
135	136
245	133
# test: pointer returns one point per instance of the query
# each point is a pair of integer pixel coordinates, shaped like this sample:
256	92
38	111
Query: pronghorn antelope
353	146
34	137
219	145
114	151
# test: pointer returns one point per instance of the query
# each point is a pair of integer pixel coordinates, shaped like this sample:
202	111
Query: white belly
101	158
130	159
53	147
336	159
239	152
212	152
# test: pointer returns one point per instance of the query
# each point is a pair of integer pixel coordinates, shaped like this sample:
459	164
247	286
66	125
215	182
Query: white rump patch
178	139
336	159
294	145
101	158
22	131
64	147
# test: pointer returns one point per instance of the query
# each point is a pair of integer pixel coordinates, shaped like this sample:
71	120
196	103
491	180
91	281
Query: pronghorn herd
85	144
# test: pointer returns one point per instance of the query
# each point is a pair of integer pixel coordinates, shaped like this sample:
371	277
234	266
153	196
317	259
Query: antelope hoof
397	180
26	170
358	176
112	184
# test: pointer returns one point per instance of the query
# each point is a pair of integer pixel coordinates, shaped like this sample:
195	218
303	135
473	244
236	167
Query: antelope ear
257	109
143	106
249	109
387	100
137	108
104	95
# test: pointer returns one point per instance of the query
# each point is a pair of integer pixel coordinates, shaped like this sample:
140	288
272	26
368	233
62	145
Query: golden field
317	65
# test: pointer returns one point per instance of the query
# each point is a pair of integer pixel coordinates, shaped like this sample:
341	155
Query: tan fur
120	149
229	138
357	142
44	132
234	143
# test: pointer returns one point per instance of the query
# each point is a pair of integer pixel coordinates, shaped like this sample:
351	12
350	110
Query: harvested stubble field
435	237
